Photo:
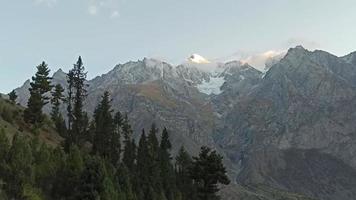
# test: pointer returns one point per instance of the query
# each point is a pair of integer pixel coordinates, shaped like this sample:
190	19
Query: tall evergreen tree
104	126
184	183
115	144
207	172
70	81
166	168
143	186
124	180
77	118
13	96
41	84
129	145
91	180
154	164
57	99
57	118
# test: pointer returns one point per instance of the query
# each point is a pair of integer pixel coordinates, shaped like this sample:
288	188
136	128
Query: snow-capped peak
195	58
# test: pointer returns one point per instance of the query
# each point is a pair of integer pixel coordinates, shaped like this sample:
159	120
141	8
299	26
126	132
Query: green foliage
166	168
30	193
78	120
13	96
39	86
19	171
183	166
56	116
129	154
104	127
7	114
207	172
103	165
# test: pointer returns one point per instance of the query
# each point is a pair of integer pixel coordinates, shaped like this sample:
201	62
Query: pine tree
153	163
90	185
70	81
40	85
104	127
166	167
207	172
115	144
57	118
20	173
184	183
77	118
143	186
124	180
57	99
13	96
129	145
68	177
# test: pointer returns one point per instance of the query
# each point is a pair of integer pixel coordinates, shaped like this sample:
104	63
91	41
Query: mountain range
290	128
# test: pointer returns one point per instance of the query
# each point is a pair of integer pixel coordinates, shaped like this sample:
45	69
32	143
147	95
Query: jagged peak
153	62
59	71
350	58
297	49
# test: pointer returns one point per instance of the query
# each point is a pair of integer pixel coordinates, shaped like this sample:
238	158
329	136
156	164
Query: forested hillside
93	157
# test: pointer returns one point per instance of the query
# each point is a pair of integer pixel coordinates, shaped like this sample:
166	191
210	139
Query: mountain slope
303	112
11	122
291	128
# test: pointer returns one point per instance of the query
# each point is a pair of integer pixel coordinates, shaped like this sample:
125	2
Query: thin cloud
93	10
104	6
115	14
49	3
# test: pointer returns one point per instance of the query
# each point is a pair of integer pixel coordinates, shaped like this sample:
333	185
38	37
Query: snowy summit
195	58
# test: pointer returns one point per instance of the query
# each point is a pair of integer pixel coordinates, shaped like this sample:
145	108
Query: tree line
98	158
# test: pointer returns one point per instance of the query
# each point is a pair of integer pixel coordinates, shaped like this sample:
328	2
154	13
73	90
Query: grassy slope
12	122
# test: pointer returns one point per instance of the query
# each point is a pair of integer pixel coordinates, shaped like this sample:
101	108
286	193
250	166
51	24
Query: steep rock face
304	102
307	172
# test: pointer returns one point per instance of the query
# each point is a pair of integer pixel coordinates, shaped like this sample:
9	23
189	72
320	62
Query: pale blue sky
107	32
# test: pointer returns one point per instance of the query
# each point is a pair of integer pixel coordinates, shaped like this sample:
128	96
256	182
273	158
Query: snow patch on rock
212	86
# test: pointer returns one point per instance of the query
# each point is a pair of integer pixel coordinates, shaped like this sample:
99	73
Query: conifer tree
153	163
115	143
207	172
57	99
143	187
57	118
124	180
13	96
90	186
183	165
77	119
166	168
79	116
70	81
20	169
69	174
104	127
129	145
39	86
